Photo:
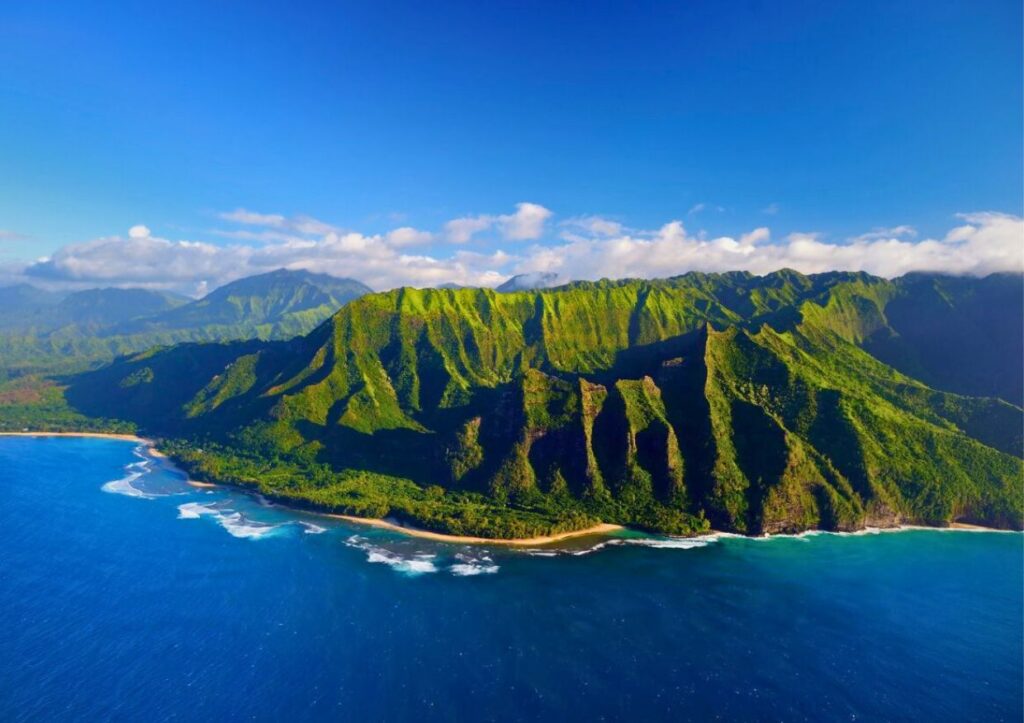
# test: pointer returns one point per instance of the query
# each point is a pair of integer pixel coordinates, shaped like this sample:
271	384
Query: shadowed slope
745	401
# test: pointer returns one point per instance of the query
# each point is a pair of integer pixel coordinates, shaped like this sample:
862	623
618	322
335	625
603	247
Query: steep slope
958	334
744	402
275	305
963	335
92	327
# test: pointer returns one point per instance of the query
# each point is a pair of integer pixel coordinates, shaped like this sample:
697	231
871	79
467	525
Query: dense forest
727	401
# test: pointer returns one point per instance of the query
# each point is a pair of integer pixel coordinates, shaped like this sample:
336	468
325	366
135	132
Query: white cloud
986	243
295	224
251	218
593	225
883	232
771	209
408	236
981	243
191	267
526	224
461	230
758	235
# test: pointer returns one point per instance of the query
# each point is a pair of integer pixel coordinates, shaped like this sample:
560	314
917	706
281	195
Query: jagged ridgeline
755	404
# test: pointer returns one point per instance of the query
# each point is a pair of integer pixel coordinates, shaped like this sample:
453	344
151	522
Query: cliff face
748	403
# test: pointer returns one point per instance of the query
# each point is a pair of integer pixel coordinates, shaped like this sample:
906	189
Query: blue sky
831	119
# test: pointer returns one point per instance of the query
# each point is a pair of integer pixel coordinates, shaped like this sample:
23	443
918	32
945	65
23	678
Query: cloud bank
485	250
525	224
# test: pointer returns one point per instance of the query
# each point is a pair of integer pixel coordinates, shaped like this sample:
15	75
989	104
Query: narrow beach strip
601	529
97	435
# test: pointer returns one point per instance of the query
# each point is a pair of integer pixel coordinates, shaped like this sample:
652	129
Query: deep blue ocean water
127	594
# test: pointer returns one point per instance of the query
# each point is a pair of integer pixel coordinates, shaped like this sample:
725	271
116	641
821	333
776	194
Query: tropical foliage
755	404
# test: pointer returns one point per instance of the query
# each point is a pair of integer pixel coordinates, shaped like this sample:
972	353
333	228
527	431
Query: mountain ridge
64	333
750	403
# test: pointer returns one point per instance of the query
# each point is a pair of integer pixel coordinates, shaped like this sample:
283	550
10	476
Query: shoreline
604	528
149	444
599	529
95	435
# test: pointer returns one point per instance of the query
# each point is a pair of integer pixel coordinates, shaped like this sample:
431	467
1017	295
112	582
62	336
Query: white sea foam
236	524
595	548
239	526
310	529
124	485
672	543
417	564
662	543
134	472
468	565
466	569
194	510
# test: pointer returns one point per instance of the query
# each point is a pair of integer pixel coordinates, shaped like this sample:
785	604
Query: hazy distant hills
756	404
24	308
533	280
276	305
45	331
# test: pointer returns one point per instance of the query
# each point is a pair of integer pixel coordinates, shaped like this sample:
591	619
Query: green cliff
754	404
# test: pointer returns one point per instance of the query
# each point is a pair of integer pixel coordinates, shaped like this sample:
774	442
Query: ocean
127	594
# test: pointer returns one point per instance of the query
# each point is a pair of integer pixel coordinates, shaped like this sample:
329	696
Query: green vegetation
38	405
42	332
756	404
368	494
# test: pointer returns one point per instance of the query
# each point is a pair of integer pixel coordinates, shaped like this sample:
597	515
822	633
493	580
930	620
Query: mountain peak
529	281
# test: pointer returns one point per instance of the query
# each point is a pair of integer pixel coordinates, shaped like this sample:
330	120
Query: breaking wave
468	565
674	543
236	524
125	485
419	563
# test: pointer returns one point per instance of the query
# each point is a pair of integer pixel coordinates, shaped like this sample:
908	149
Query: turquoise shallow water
126	594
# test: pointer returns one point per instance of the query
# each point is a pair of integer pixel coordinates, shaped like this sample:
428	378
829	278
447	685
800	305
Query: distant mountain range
26	309
753	404
527	282
45	331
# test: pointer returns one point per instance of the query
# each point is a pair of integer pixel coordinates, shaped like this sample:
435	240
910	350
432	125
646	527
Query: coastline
603	528
149	444
600	529
96	435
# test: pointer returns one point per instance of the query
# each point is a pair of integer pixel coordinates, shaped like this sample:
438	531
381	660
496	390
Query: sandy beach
98	435
147	443
601	529
966	526
383	524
